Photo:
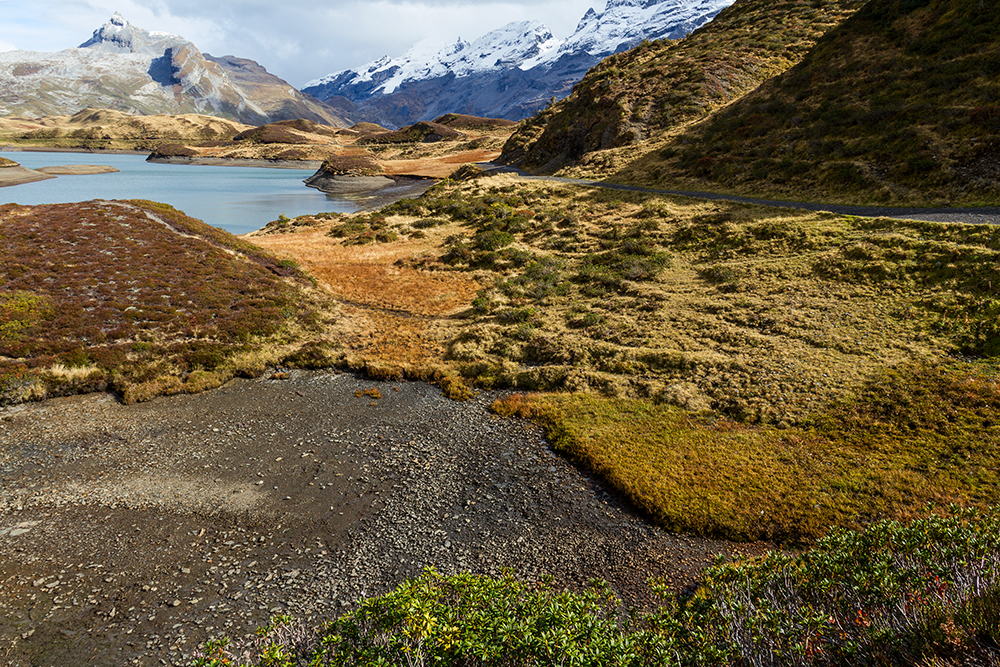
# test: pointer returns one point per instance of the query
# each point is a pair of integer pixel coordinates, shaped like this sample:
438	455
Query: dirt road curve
129	534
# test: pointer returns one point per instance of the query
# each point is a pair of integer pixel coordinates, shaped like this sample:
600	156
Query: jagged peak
589	16
120	36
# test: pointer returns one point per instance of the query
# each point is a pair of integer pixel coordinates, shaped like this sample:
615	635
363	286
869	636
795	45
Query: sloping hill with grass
899	104
138	298
107	129
635	95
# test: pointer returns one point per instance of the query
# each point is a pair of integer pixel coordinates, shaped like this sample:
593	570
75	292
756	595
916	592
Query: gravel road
130	534
978	215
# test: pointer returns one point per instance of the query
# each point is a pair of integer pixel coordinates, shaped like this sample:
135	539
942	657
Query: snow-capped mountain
510	72
126	68
509	46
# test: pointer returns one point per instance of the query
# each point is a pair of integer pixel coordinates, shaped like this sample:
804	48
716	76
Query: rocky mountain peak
120	36
510	72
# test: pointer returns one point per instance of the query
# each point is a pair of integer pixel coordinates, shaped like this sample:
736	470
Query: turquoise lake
237	199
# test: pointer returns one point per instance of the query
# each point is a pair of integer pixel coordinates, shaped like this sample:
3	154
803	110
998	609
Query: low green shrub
916	593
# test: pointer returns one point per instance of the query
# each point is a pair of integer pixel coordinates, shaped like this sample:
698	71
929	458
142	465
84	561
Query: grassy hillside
898	104
106	129
633	96
138	298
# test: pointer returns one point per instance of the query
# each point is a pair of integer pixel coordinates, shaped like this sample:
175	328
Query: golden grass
393	316
723	478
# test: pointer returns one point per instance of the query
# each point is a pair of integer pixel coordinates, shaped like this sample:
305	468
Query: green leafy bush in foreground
927	592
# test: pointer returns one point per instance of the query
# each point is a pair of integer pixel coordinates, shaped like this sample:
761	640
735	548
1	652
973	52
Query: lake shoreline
10	148
237	162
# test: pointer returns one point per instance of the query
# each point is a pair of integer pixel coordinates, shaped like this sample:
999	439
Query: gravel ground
130	534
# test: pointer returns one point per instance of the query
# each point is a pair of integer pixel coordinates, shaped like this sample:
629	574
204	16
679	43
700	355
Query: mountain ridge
510	72
143	72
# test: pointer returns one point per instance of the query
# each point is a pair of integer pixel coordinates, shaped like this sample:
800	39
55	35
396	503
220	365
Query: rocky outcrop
349	173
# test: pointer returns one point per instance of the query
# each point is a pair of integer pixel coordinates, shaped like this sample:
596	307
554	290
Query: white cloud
298	41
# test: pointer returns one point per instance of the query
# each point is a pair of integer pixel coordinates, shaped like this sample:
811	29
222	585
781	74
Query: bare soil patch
130	534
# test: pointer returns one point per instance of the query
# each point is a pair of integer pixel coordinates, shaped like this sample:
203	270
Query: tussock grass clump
919	593
362	230
147	300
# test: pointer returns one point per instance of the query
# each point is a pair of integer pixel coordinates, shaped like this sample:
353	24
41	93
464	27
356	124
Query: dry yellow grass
392	314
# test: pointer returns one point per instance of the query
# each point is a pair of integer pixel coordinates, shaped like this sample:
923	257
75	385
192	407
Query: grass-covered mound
921	593
635	95
362	164
309	127
420	132
275	133
172	150
140	299
458	121
897	104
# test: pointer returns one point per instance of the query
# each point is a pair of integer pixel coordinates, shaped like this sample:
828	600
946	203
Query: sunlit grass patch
909	437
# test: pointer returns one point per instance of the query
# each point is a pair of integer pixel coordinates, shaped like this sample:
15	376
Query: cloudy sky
298	40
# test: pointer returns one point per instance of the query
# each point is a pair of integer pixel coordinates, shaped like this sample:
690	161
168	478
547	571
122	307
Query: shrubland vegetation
925	592
137	298
735	370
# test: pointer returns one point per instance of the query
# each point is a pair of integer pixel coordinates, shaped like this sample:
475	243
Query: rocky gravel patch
130	534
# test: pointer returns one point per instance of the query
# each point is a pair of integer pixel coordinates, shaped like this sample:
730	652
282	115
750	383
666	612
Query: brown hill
898	104
107	129
420	132
458	121
144	301
633	96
